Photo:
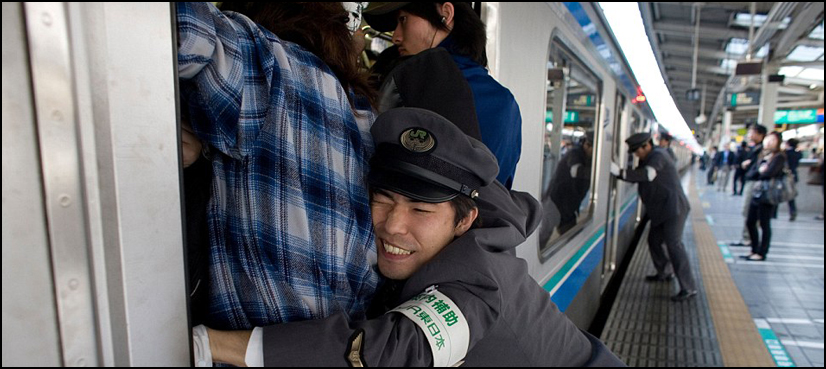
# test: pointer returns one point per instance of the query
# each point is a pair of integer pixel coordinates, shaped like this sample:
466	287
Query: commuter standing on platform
457	28
712	166
770	166
739	172
756	134
793	158
667	207
725	166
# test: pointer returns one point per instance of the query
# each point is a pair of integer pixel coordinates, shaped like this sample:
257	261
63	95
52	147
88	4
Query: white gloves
200	340
615	170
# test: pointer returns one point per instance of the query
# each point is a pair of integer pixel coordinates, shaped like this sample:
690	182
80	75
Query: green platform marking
776	349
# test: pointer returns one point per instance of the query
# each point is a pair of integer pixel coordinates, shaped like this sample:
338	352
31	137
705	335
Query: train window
619	109
635	125
567	186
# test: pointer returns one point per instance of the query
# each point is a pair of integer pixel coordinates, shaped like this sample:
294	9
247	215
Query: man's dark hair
318	27
759	129
792	142
463	205
468	33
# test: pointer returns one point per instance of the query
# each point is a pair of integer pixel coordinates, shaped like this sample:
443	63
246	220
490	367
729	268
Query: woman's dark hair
319	27
468	33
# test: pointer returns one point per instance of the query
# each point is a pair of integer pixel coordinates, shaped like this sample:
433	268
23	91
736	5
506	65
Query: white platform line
788	257
772	263
794	321
784	244
806	344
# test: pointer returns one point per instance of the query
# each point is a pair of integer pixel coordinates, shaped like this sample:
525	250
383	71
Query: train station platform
747	313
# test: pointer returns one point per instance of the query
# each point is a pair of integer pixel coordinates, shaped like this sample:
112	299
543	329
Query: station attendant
459	294
667	207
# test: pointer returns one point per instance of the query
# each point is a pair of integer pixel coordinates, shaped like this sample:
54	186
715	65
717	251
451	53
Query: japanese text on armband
443	324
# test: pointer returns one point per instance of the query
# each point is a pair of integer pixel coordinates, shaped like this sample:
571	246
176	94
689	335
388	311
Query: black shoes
684	295
740	243
793	217
658	278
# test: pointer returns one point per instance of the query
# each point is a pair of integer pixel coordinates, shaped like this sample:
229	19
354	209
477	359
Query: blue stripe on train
571	286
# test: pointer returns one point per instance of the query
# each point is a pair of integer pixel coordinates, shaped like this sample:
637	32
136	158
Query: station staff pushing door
667	206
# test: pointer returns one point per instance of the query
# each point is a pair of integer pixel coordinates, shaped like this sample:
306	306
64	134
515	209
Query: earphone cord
435	31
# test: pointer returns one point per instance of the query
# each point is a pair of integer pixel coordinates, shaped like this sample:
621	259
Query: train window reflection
569	148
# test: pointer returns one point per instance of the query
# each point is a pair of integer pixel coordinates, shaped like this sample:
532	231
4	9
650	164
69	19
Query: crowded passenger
457	28
275	91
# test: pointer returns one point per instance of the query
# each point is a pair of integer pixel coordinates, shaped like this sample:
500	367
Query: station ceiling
788	37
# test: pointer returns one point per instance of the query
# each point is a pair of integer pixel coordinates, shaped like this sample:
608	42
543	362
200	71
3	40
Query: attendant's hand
615	170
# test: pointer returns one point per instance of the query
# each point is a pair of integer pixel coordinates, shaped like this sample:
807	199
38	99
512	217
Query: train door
93	268
609	265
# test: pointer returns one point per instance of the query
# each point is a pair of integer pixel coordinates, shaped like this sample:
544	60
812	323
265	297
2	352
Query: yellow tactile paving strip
740	342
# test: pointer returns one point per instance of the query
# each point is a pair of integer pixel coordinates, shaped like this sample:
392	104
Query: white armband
652	173
442	323
575	170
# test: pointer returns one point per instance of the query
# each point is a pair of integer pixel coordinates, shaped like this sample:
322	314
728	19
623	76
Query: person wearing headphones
456	27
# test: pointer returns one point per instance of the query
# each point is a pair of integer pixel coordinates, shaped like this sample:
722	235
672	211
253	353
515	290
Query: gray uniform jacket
659	187
511	319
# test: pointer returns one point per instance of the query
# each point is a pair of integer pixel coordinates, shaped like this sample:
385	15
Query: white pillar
768	98
725	133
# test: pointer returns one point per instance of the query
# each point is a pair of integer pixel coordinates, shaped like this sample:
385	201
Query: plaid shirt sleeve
291	236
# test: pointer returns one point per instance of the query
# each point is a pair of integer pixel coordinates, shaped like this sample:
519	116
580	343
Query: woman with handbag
761	208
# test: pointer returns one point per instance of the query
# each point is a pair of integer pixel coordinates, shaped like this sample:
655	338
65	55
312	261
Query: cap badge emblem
417	140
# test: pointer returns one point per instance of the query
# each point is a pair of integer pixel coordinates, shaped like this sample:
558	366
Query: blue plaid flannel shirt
291	237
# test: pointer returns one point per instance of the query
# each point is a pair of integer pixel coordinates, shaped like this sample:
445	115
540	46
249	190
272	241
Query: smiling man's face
410	233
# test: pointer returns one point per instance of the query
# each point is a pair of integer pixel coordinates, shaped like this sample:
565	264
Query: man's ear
448	11
465	224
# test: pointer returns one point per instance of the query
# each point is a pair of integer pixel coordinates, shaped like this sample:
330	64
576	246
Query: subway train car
94	266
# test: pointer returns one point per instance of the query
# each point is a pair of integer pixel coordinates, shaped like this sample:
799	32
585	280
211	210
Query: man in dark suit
667	207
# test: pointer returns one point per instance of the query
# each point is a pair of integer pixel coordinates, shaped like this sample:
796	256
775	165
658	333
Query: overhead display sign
802	116
581	100
570	116
745	98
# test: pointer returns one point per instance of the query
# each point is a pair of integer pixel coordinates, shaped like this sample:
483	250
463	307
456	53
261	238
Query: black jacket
775	168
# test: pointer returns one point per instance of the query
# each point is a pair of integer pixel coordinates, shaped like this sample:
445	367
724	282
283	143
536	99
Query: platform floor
747	313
